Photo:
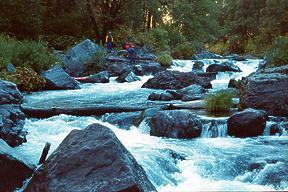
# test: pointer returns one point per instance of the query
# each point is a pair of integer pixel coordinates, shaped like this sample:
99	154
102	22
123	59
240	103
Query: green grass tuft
165	60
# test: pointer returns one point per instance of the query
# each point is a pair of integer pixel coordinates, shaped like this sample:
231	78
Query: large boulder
118	68
101	77
57	78
247	123
127	76
92	159
206	55
223	67
12	120
9	93
175	124
14	168
77	58
265	91
147	68
176	80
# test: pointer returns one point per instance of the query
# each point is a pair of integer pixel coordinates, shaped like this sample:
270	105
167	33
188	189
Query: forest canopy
178	26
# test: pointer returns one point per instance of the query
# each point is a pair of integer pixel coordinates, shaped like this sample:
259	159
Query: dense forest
178	26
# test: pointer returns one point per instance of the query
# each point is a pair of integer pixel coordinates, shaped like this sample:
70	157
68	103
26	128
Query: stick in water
44	153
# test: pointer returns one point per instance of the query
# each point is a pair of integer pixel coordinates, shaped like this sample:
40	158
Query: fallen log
79	111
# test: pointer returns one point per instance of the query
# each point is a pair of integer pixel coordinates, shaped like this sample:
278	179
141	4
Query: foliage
183	51
26	79
220	48
98	61
219	102
165	60
25	54
62	42
278	54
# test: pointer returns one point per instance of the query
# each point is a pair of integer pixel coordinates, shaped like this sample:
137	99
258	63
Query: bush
25	78
25	53
98	61
62	42
165	60
278	54
183	51
219	102
219	48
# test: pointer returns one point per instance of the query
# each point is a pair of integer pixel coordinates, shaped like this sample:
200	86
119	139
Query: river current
214	161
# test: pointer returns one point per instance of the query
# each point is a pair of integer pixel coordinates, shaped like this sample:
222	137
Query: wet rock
193	97
14	168
146	115
12	120
175	124
223	67
266	92
233	84
77	58
235	57
9	93
206	55
92	159
118	68
176	80
101	77
247	123
282	69
10	68
198	66
127	76
122	120
248	56
278	128
191	90
161	97
57	78
148	67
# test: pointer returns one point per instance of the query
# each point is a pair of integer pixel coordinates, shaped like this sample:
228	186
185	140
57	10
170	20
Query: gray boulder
206	55
175	124
57	78
12	120
247	123
101	77
92	159
118	68
265	91
161	97
127	76
176	80
77	58
14	168
9	93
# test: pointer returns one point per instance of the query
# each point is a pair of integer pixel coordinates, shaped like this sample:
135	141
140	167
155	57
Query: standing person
131	53
109	41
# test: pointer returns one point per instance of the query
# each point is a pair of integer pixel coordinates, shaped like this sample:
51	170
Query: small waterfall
276	128
214	128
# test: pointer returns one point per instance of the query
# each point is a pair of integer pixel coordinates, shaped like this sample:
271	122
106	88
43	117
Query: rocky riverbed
170	143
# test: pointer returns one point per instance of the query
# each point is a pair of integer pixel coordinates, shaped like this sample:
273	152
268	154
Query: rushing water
212	162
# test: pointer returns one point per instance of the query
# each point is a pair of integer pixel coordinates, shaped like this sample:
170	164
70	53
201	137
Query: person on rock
131	53
109	41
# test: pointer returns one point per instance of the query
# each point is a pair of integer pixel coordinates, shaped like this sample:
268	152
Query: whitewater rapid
206	163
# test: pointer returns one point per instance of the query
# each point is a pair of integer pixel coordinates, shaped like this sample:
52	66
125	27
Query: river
206	163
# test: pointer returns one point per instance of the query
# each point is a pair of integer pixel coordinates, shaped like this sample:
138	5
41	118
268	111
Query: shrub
219	48
165	60
98	61
25	53
26	79
183	51
62	42
219	102
278	54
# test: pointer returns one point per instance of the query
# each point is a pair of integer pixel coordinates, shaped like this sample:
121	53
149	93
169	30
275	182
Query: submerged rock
175	124
176	80
14	168
247	123
266	92
57	78
92	159
223	67
77	58
206	55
